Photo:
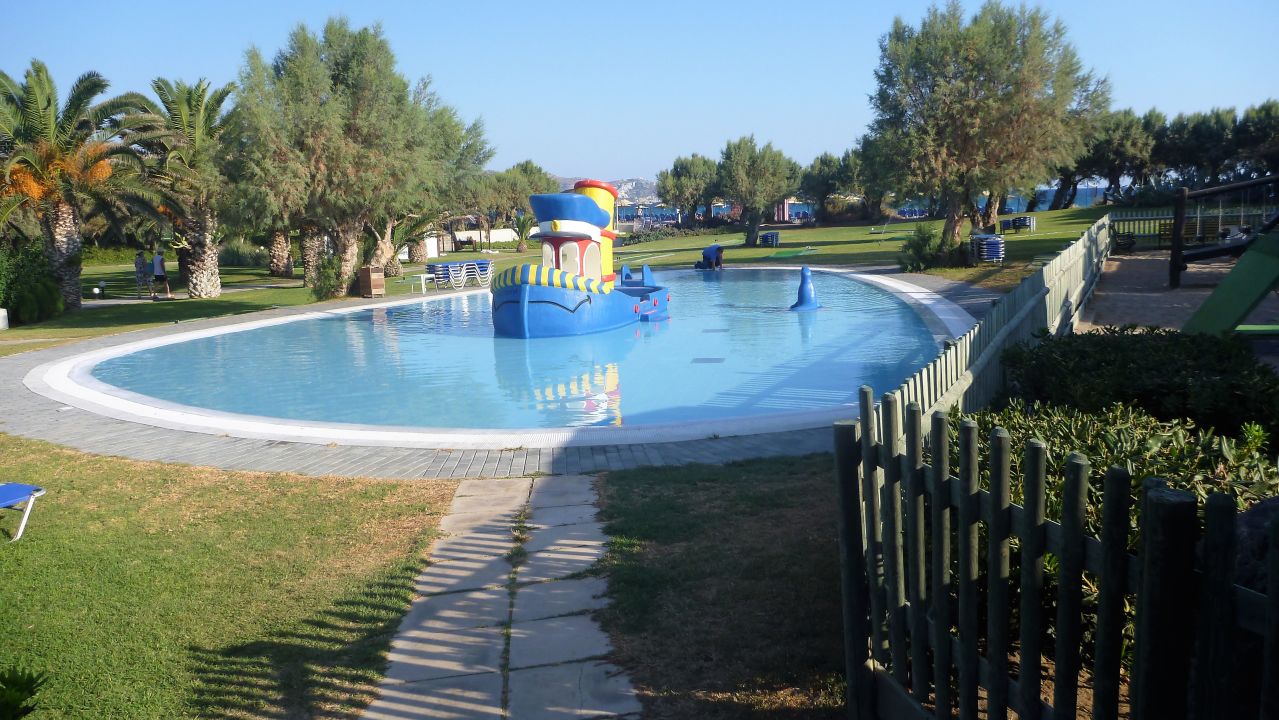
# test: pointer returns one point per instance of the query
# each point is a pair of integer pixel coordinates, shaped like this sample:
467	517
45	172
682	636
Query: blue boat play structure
574	290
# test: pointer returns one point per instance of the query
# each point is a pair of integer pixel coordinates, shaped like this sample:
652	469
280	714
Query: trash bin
372	282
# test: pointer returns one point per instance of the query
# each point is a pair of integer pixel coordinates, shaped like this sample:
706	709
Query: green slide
1256	273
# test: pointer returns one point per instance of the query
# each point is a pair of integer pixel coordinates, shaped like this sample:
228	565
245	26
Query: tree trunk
417	251
184	263
1070	198
1032	202
204	281
348	251
990	216
384	255
312	255
951	231
279	265
753	220
62	245
1063	189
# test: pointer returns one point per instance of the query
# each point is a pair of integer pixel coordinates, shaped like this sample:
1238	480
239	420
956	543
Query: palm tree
59	159
523	225
193	117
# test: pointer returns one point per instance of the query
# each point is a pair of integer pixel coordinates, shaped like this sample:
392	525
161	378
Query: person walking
160	277
141	276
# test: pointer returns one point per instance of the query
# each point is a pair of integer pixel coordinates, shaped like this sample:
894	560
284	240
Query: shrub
1188	457
118	255
26	286
1216	382
239	252
922	250
327	280
18	688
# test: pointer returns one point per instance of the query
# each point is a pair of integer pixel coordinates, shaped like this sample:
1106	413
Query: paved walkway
501	627
28	414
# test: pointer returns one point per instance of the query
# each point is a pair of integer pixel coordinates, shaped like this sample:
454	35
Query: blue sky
618	90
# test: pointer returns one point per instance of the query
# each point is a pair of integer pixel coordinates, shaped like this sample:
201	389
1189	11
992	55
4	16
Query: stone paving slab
428	654
518	486
455	576
563	515
480	608
562	537
472	546
556	640
558	563
552	599
476	521
503	505
469	697
577	690
562	490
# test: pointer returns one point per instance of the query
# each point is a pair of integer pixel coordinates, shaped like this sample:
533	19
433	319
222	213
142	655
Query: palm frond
87	87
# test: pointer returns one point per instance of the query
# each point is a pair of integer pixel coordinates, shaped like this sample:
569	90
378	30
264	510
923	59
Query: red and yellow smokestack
605	196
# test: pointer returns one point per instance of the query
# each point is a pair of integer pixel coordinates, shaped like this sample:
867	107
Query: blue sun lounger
14	494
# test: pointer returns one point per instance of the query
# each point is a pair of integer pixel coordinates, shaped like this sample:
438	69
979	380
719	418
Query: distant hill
631	191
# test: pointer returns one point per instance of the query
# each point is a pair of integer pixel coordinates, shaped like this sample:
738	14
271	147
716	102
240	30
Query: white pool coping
70	381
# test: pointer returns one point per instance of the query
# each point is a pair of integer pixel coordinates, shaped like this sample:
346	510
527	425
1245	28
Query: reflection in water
807	321
588	390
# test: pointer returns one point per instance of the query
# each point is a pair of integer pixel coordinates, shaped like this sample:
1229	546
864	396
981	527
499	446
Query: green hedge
1188	457
91	255
1216	382
27	288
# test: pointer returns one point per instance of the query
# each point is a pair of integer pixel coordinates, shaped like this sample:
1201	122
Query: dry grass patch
725	588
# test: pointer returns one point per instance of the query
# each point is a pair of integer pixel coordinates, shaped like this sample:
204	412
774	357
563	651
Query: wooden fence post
998	613
1032	533
1070	590
941	563
916	559
1175	260
859	701
1214	648
1166	603
890	514
874	530
1110	604
1270	690
969	612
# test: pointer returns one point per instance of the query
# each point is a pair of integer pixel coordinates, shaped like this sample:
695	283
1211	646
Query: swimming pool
731	354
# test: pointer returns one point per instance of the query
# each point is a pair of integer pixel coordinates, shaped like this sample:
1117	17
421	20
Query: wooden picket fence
910	534
967	373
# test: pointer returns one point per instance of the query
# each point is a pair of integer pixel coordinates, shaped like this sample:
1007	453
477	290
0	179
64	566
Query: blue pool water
731	349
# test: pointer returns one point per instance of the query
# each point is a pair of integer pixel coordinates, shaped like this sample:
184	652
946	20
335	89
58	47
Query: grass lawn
876	245
725	588
149	590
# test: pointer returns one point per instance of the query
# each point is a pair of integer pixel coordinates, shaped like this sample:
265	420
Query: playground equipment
1253	276
574	290
807	298
1231	243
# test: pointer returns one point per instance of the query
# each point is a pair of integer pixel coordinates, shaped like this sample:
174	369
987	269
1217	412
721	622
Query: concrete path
501	625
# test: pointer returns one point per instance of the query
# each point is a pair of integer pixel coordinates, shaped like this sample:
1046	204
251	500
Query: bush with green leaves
27	288
115	255
925	249
18	688
328	279
238	252
1216	382
1186	456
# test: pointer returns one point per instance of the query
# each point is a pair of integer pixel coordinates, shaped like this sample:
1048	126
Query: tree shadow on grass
326	665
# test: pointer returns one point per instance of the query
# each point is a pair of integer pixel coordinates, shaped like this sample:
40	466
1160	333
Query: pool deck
28	414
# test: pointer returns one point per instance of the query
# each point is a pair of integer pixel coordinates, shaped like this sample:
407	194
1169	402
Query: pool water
731	349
